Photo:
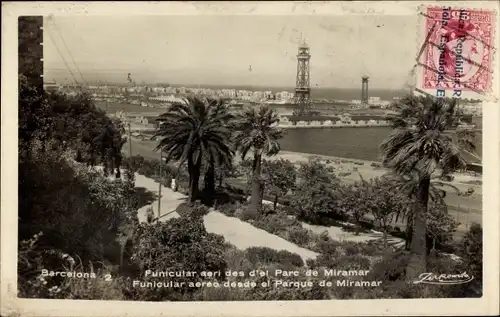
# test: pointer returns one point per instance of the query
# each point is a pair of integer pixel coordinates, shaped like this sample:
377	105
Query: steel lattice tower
364	90
302	87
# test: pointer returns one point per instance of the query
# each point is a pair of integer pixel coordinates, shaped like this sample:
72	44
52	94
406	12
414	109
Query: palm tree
420	145
257	132
192	131
408	185
213	162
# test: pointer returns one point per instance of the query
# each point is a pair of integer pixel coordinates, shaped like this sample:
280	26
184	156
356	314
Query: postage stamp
457	54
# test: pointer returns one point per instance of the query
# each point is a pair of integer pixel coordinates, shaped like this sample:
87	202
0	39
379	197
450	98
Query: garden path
239	233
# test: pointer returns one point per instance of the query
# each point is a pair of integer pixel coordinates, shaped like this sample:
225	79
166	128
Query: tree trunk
433	249
256	200
118	162
209	181
386	246
409	232
418	259
194	179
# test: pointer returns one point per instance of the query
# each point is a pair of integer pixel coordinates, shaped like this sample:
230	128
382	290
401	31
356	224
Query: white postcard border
32	307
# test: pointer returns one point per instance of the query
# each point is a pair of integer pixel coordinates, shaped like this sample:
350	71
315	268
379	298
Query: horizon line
193	85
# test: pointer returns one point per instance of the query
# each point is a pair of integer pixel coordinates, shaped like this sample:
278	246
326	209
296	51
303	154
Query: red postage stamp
458	53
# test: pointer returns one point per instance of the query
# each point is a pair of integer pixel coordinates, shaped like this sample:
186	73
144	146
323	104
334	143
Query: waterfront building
50	86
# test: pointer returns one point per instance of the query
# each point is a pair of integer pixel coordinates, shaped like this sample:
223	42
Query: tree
419	144
383	203
440	225
408	186
223	172
354	200
109	144
317	192
193	130
213	165
256	131
280	176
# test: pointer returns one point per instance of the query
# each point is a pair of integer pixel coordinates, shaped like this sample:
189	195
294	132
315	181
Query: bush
264	255
278	224
237	260
33	259
287	293
324	244
247	215
471	250
345	262
228	209
192	210
90	209
179	244
391	268
300	236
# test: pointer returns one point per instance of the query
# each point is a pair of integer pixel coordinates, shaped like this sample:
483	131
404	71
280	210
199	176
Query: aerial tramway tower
303	85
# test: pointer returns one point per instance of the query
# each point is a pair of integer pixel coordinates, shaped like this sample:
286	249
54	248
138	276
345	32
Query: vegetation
194	131
316	193
75	218
419	146
256	131
279	177
66	211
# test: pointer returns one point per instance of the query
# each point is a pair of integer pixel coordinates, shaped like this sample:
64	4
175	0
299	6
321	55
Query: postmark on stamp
457	54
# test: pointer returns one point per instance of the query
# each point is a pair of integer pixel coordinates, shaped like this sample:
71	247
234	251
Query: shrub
228	209
288	258
237	260
324	244
179	244
278	224
89	208
391	268
136	162
287	293
471	250
33	259
264	255
345	262
192	210
247	215
299	236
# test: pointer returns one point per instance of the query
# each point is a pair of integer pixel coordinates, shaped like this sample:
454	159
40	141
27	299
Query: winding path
239	233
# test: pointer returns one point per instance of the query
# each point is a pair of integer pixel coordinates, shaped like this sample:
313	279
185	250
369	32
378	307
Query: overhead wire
92	64
61	55
69	51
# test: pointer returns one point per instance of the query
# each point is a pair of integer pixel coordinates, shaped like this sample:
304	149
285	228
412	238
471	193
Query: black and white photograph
301	154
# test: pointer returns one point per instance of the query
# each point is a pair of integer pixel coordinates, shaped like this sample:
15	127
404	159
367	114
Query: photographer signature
448	279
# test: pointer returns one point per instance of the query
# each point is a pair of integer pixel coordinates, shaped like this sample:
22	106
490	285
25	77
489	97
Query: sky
219	50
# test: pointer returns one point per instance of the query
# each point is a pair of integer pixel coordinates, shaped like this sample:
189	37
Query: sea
355	143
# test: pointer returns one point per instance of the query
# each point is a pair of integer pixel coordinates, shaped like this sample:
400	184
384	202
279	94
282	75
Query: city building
50	86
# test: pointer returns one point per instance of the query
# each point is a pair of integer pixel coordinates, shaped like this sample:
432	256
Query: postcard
250	159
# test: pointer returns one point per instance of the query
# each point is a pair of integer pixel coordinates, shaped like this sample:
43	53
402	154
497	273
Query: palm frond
419	141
